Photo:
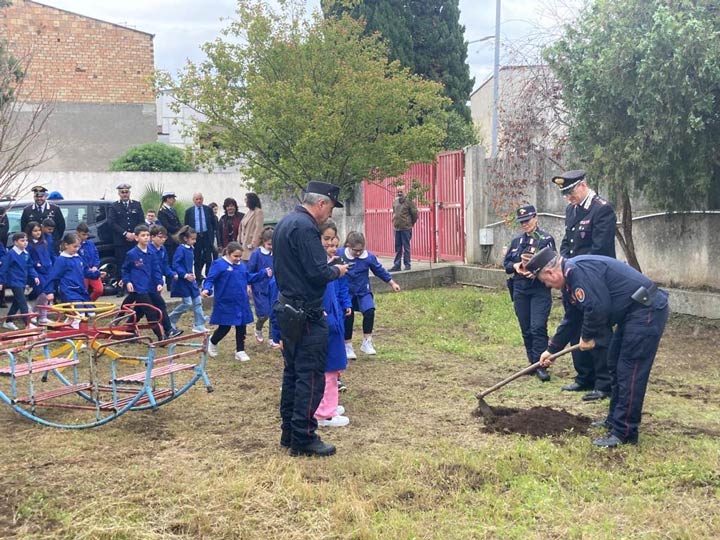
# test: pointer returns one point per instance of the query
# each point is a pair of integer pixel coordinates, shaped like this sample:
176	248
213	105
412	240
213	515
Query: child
17	270
141	276
185	286
69	274
90	256
231	306
48	229
158	237
362	262
42	260
275	342
261	259
336	304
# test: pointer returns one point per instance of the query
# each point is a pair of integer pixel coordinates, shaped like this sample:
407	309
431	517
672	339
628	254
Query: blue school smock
183	264
273	295
67	278
336	359
231	305
42	259
142	270
3	253
358	276
162	260
50	241
260	259
89	254
18	269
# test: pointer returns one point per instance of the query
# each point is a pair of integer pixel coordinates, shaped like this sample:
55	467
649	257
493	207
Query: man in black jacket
168	218
123	216
201	218
302	273
40	210
589	230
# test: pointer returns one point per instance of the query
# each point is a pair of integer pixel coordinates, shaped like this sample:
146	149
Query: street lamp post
496	81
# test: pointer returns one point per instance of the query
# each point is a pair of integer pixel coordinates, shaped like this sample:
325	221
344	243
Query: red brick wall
79	59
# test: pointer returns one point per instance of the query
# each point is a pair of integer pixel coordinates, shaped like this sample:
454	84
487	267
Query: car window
14	216
100	213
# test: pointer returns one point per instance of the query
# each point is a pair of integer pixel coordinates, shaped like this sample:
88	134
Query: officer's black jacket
124	220
299	260
597	294
52	211
523	243
589	231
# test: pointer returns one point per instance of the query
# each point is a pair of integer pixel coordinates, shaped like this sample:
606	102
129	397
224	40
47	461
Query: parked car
94	213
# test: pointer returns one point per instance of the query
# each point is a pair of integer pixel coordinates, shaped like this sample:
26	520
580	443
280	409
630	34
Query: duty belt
298	304
645	295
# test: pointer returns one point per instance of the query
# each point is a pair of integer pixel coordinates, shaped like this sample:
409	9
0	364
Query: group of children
74	276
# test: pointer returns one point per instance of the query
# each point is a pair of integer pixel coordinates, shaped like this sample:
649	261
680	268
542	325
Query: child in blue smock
142	277
18	271
90	256
336	304
66	281
274	328
42	259
158	237
185	286
260	259
228	280
362	262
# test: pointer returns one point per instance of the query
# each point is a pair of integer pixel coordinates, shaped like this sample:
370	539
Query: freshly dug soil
536	422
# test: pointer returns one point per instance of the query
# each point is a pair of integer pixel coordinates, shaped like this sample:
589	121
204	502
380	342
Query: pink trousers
328	405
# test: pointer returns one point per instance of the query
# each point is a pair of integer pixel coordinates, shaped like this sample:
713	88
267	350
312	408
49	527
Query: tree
23	116
427	38
641	84
152	157
290	100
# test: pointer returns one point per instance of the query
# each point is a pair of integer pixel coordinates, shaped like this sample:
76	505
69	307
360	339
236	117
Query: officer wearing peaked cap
123	216
589	230
302	273
168	218
531	298
598	292
41	209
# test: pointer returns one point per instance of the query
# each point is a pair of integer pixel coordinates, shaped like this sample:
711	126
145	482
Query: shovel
486	410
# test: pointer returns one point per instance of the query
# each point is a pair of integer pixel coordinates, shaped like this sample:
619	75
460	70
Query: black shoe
407	268
341	386
575	387
285	438
611	441
596	395
175	333
395	269
542	374
600	424
315	448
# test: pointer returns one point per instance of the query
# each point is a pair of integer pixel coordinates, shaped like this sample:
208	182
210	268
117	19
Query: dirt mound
536	422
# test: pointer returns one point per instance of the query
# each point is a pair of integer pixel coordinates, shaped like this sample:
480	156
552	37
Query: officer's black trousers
592	368
304	382
632	353
532	307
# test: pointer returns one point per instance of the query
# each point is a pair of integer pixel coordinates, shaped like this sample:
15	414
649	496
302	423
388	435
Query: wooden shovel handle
525	371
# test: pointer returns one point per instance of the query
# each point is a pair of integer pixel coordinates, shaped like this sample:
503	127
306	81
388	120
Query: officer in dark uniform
302	272
168	218
123	216
599	292
40	210
589	230
531	298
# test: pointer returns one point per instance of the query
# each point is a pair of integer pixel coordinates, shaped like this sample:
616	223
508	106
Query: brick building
96	73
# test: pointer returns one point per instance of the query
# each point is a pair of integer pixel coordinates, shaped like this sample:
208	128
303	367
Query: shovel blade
484	409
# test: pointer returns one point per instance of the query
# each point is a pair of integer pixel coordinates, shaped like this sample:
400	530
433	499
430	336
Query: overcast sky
181	26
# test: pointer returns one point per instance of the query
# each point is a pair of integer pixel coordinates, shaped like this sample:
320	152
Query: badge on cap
123	185
38	189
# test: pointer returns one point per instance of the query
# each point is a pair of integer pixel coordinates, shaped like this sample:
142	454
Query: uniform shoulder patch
580	294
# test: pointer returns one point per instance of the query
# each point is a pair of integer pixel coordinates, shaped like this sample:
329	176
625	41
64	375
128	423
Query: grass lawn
414	463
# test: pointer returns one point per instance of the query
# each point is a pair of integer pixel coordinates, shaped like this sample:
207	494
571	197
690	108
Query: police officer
302	272
168	218
589	230
601	291
41	210
531	298
123	216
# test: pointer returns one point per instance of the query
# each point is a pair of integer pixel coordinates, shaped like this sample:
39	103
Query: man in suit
41	210
200	217
123	216
589	230
168	218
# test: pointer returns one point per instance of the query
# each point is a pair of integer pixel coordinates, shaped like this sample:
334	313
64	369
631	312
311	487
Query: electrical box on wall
485	237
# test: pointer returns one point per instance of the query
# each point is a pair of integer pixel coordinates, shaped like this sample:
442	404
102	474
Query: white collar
587	201
349	254
18	251
185	246
63	254
265	251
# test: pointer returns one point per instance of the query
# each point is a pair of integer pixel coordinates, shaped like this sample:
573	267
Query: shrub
152	157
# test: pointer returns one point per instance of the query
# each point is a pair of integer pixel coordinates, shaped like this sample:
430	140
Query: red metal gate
440	229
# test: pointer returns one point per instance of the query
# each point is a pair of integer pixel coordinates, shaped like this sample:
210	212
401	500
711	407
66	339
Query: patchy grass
413	464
